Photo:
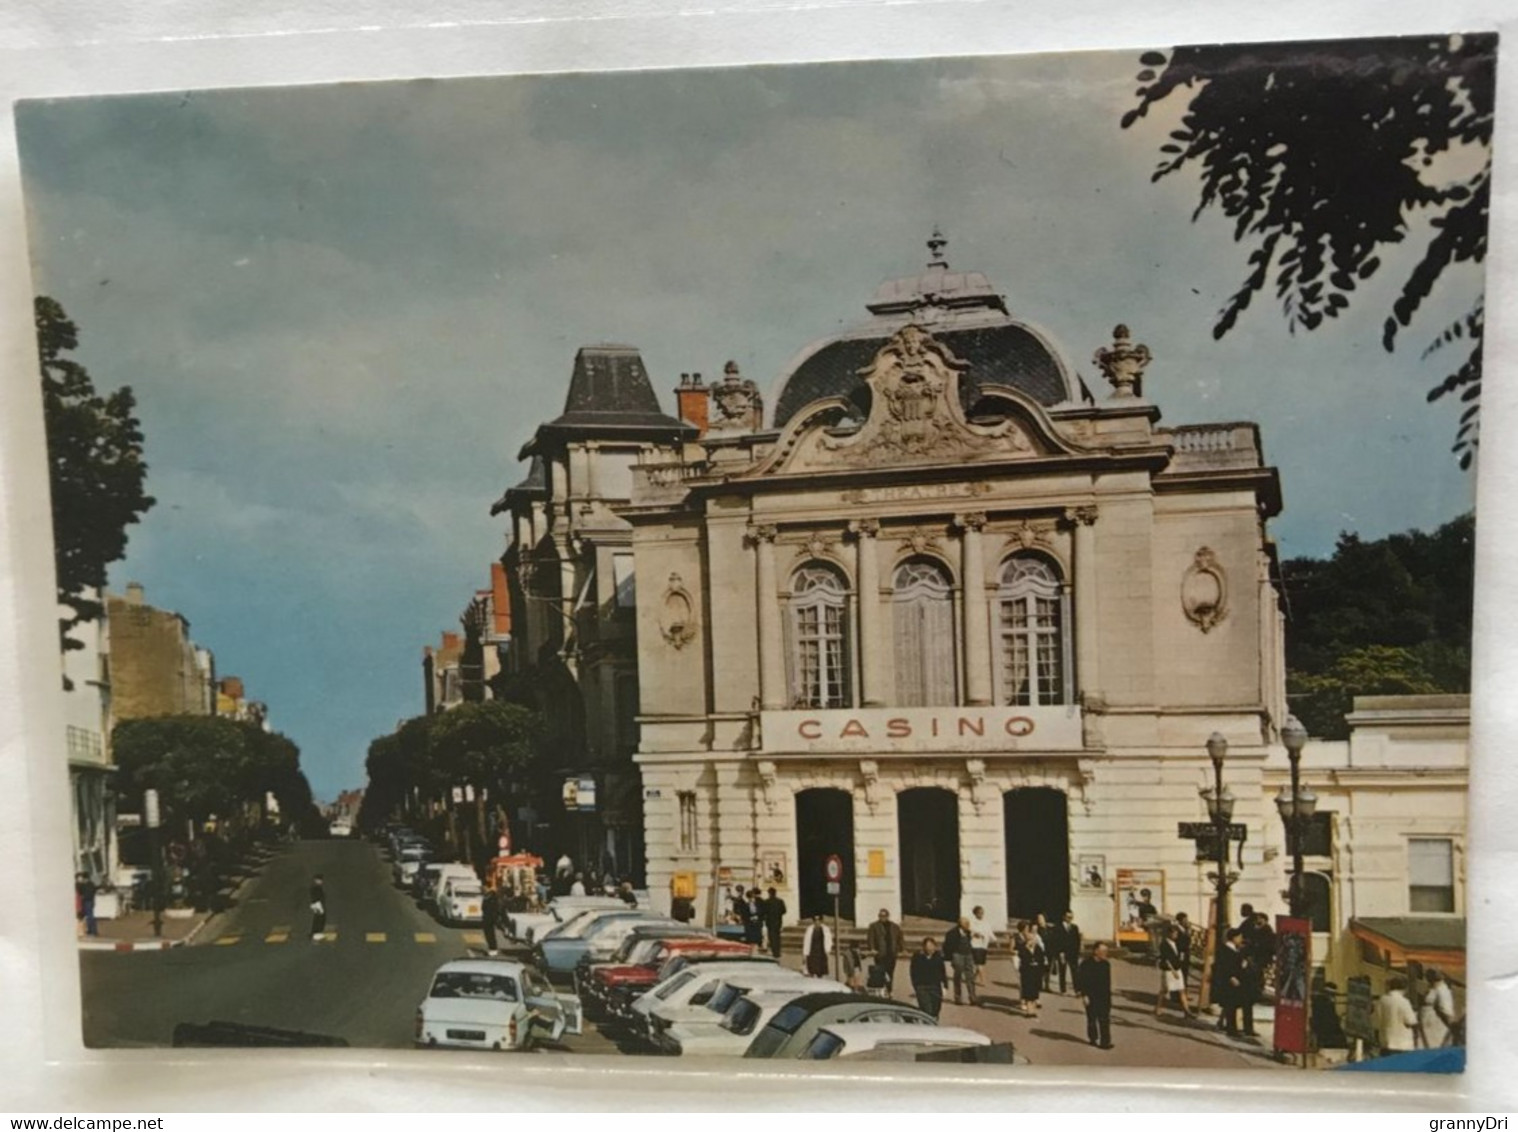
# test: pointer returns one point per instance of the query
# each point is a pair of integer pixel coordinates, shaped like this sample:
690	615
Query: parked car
340	828
528	927
410	858
793	1027
493	1004
687	981
608	989
672	1028
429	882
560	951
895	1041
461	900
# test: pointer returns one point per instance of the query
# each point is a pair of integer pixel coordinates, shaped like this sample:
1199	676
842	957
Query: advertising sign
1293	963
1140	896
1360	1009
912	731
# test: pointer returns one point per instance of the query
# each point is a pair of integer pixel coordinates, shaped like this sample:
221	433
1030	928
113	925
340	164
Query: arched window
819	651
923	624
1035	652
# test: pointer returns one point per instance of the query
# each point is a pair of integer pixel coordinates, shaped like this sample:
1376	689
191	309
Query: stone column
772	694
976	629
1086	647
872	693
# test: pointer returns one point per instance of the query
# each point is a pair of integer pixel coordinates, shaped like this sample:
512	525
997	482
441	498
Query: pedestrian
84	904
1233	983
318	907
958	949
1436	1018
1397	1021
1172	980
1260	941
816	946
1183	943
1046	937
1069	948
1032	962
929	977
626	894
490	911
753	920
982	936
737	907
774	920
1093	982
885	942
578	887
852	961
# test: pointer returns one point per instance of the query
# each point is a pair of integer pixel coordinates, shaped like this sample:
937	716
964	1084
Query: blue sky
344	309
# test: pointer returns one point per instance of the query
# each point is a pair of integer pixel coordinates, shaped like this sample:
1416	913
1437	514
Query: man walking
1183	943
1067	953
774	917
886	943
929	977
318	907
1093	982
959	949
982	936
84	903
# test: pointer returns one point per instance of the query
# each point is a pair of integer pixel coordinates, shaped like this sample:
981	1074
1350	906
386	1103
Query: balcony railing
1216	446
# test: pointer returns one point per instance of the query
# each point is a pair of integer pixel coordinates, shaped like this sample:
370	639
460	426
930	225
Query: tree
1323	154
95	467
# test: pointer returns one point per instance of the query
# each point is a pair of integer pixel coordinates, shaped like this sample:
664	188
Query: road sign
834	888
834	868
1237	831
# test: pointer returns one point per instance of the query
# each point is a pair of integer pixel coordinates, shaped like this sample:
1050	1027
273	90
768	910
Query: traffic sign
834	869
834	888
1193	830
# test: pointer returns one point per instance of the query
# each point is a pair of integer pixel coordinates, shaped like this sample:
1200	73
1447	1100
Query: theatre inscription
911	492
908	730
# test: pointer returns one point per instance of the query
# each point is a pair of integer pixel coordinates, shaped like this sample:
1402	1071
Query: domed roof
963	311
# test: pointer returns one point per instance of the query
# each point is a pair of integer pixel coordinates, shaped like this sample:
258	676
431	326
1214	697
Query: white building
87	721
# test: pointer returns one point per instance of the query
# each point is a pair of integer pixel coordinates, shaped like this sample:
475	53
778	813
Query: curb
133	945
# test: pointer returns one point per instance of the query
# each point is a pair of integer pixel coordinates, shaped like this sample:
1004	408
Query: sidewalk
134	932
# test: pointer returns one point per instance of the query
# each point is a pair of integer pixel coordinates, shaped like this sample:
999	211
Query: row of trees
1384	617
491	752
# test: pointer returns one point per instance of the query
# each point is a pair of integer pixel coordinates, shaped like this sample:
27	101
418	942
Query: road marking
474	938
324	937
277	937
374	937
425	937
228	940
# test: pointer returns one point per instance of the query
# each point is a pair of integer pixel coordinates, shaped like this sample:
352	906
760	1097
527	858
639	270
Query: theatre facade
953	617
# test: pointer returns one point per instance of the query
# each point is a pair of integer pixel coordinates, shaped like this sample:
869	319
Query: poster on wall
1140	897
1092	870
772	871
1293	962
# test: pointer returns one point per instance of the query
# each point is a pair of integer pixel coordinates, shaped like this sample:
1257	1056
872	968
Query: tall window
688	835
1431	874
819	638
924	635
1035	666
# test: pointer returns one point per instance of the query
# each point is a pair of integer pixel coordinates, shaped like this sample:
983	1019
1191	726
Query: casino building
950	614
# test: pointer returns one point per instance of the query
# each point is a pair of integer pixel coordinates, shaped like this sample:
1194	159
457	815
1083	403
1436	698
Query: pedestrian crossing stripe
277	937
374	937
228	940
474	938
324	937
425	937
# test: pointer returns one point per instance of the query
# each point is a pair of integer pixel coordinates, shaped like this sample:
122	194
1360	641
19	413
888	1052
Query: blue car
560	951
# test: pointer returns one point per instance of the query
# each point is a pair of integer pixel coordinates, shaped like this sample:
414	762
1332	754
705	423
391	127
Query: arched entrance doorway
927	821
1037	823
824	826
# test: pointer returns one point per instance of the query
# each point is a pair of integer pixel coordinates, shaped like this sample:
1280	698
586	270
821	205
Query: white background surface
63	47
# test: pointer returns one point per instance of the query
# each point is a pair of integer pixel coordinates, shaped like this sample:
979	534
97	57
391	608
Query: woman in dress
1032	962
816	946
1172	974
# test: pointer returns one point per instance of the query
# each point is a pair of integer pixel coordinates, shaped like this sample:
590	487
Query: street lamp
1296	808
1220	810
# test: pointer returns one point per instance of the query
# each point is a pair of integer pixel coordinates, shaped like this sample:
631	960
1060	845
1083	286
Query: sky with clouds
345	308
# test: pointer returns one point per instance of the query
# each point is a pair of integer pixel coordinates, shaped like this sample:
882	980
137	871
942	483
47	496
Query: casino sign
862	731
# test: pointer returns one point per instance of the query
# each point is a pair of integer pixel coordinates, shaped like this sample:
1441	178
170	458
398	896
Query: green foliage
1387	617
95	468
1322	154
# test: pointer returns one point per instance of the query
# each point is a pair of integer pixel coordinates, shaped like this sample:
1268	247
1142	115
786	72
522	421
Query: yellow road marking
228	940
374	937
276	937
326	937
425	937
475	938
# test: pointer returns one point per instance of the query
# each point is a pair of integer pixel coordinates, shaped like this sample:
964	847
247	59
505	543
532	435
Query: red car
609	989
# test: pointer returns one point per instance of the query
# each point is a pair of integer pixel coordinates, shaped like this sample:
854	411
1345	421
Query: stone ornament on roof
737	406
1123	363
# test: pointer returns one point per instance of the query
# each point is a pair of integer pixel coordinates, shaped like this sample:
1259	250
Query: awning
1430	940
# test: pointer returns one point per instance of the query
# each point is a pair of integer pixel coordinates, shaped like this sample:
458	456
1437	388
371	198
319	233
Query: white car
896	1041
461	900
493	1004
340	829
745	1018
529	927
693	986
430	883
676	1029
411	858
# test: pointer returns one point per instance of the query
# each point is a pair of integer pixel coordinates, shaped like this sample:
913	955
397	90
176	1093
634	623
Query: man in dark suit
1233	984
773	910
1066	952
1093	981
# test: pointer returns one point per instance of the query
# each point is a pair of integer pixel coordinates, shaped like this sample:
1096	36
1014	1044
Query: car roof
859	1036
765	975
481	967
812	1003
766	996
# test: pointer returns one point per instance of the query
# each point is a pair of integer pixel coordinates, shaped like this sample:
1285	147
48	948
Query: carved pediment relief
915	417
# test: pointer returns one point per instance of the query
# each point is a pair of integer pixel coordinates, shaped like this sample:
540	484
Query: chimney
134	593
693	401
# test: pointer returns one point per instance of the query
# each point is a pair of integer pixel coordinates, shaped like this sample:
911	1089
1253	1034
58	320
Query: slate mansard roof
610	389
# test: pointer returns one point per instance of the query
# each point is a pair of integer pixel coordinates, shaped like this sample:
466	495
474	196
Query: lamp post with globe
1296	808
1220	810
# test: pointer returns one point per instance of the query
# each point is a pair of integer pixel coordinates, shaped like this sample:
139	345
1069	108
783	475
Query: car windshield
742	1017
789	1019
684	978
724	998
824	1046
471	984
536	985
468	891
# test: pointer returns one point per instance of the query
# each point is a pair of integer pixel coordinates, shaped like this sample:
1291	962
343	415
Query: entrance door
824	826
927	820
1038	853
